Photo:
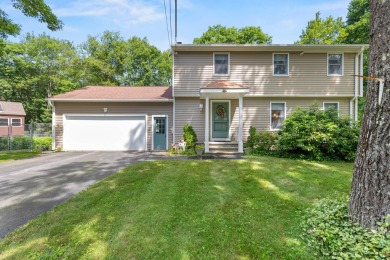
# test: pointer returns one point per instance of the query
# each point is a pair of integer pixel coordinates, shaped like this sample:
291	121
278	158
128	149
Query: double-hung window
16	122
221	63
3	121
280	64
278	114
332	107
335	64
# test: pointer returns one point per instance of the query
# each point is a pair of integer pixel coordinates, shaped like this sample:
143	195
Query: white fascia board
294	96
219	90
109	100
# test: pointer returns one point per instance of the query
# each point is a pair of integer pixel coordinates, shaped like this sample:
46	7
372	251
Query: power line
170	18
166	21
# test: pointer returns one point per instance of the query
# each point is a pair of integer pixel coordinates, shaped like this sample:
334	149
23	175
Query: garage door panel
105	133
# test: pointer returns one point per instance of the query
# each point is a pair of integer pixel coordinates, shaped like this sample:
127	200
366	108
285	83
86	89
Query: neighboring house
12	118
219	89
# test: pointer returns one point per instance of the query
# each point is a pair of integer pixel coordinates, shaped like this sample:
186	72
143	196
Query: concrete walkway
29	187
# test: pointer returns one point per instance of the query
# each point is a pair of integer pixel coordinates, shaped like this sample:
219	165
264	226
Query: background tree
358	22
36	68
222	34
370	200
323	31
111	60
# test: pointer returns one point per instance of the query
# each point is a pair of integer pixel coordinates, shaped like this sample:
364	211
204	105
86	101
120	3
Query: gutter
53	124
108	100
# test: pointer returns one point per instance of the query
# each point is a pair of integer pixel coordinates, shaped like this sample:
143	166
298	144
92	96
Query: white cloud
126	11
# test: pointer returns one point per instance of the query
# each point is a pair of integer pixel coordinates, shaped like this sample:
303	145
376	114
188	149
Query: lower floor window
278	114
331	106
16	122
3	121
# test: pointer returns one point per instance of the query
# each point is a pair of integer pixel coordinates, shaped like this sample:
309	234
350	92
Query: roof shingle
224	84
116	92
11	108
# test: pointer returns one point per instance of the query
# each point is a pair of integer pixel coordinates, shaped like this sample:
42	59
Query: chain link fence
25	137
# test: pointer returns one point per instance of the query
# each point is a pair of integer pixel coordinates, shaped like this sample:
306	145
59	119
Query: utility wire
166	21
170	18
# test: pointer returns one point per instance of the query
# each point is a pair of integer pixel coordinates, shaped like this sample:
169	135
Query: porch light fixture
200	107
105	110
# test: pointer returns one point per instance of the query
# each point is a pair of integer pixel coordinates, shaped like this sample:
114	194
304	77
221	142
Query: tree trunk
370	192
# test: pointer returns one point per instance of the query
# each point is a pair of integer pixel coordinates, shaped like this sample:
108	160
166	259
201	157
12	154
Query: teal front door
159	133
220	120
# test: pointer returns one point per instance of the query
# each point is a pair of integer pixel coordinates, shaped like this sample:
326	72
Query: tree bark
370	191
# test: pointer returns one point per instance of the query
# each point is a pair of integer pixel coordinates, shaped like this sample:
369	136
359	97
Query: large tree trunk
370	192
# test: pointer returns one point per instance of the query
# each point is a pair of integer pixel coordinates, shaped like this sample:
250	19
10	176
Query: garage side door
104	133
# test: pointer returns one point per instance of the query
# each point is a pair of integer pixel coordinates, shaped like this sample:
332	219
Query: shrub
329	231
20	143
42	143
261	140
319	135
189	136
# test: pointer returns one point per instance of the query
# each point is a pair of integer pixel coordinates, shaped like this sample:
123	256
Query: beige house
219	89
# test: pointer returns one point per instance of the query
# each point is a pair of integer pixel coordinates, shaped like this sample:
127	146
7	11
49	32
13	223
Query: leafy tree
36	68
324	31
222	34
370	201
31	8
112	60
358	22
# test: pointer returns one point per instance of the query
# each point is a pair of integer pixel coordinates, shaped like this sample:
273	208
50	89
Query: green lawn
8	156
205	209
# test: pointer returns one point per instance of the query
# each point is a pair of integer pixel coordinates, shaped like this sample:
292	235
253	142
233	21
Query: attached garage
108	133
98	118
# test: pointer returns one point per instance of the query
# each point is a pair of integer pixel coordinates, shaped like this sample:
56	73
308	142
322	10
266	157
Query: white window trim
342	64
7	122
273	65
270	113
332	102
21	122
166	130
227	74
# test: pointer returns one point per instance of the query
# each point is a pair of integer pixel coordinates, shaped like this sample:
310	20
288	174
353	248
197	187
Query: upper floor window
3	121
335	64
280	64
16	122
221	63
278	114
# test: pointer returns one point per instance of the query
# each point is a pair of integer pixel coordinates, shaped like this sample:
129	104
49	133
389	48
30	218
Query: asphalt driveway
31	186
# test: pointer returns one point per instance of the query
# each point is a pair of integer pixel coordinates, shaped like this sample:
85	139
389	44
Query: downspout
361	71
174	99
53	125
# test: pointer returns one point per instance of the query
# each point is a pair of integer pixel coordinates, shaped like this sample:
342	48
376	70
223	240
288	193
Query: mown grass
8	156
206	209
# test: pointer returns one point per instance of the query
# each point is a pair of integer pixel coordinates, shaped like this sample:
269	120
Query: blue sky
282	19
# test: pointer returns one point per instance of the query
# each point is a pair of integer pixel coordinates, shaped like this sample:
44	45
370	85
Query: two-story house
219	89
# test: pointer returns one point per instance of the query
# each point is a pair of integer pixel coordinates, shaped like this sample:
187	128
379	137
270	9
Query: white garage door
104	133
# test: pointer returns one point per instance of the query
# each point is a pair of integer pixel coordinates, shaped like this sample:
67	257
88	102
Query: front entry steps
223	148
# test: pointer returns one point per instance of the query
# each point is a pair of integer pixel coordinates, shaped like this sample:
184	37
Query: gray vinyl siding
307	74
114	108
256	112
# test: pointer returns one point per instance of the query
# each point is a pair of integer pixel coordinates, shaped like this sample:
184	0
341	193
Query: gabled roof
11	108
117	93
302	48
223	84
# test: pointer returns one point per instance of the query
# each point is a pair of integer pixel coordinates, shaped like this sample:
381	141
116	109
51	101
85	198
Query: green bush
190	137
260	140
329	231
318	135
42	143
20	143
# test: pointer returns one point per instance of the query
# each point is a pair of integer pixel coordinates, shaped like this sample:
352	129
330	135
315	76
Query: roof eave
107	100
